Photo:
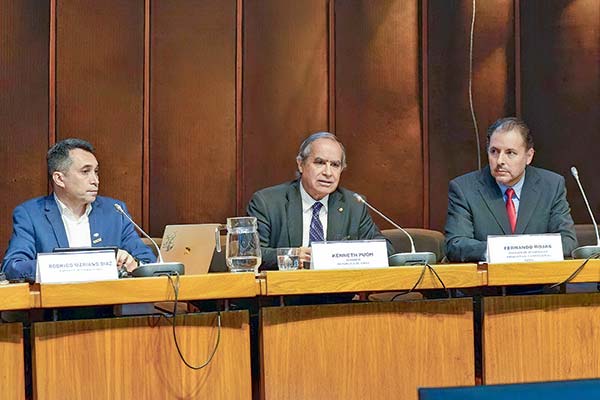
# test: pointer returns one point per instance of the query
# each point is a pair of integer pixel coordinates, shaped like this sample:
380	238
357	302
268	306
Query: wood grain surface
12	373
366	351
136	358
145	290
541	338
14	296
542	272
400	278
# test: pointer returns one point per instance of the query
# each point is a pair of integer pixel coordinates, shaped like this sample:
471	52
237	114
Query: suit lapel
492	196
335	218
530	196
55	220
294	214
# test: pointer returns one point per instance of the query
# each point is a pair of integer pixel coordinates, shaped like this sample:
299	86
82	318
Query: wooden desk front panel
541	338
12	369
136	358
366	351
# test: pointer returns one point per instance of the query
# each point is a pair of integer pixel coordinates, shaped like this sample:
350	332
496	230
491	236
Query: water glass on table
288	258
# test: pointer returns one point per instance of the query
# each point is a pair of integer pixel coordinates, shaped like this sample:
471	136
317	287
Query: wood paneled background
195	104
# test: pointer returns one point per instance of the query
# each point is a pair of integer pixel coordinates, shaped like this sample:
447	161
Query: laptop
194	246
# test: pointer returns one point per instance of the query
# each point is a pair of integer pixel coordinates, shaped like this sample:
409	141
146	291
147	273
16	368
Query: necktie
316	228
510	209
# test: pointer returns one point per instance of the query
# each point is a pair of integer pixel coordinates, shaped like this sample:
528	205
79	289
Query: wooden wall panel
24	27
561	91
99	88
192	112
285	86
378	104
452	143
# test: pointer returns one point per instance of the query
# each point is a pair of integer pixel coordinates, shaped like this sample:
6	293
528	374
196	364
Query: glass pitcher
242	252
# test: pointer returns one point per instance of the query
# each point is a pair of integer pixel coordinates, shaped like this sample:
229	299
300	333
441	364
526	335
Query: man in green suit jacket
284	212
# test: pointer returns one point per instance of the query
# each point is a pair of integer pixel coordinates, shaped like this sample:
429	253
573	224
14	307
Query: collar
517	187
308	201
66	211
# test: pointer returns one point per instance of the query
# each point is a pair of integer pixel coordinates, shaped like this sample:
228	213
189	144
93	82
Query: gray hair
305	147
508	124
58	156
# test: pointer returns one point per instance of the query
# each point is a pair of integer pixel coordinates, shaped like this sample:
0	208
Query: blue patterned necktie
316	228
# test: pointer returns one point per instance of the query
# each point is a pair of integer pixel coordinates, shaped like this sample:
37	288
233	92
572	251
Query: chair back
425	240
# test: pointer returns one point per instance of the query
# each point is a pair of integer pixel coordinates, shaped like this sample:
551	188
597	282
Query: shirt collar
66	211
517	187
308	201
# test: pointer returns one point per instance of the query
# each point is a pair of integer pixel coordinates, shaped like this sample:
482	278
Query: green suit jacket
278	210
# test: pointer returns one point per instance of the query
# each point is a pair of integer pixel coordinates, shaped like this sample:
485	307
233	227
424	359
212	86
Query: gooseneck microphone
586	251
399	259
156	268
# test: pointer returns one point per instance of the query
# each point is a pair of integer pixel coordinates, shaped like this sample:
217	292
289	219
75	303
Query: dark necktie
316	228
510	209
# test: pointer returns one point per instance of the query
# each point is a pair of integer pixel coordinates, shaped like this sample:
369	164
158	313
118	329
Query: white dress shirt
307	203
77	228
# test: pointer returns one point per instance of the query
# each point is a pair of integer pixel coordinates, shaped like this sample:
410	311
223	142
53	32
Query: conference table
353	350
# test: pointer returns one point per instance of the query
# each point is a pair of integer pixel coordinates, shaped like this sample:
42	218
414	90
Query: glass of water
288	258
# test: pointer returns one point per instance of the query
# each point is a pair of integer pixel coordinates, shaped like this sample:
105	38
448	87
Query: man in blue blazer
73	216
286	214
478	201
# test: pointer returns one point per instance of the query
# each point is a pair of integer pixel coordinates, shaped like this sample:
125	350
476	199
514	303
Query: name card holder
76	266
349	254
503	249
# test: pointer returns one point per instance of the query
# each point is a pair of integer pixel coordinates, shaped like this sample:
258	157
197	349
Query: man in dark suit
507	197
312	207
73	216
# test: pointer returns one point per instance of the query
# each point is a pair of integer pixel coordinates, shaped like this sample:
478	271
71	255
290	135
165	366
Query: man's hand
124	259
305	253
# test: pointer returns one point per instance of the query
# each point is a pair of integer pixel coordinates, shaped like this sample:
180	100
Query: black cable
175	286
577	271
425	268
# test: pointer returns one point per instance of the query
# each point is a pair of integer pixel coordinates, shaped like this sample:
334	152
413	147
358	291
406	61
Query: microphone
157	268
586	251
399	259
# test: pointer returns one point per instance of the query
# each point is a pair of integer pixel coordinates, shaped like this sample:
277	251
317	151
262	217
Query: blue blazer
38	228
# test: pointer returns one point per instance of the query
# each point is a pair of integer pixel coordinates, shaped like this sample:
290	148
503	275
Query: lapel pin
97	240
96	234
340	209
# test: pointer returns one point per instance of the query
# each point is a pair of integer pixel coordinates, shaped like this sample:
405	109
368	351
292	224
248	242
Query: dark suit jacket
476	209
38	228
278	210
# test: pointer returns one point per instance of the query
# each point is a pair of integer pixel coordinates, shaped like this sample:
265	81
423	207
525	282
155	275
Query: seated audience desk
366	350
13	297
135	357
541	337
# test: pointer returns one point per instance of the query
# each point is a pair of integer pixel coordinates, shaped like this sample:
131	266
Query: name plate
80	266
524	248
349	254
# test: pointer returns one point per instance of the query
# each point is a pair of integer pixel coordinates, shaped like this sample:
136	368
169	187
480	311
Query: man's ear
530	154
58	179
299	165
